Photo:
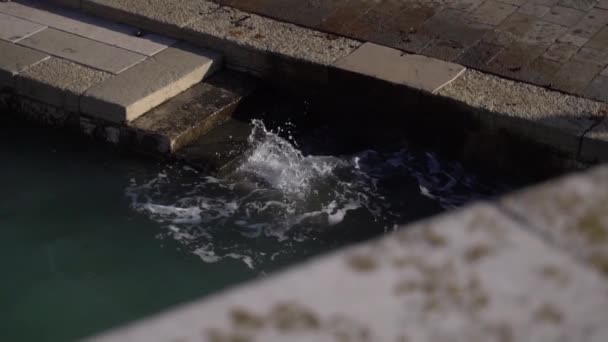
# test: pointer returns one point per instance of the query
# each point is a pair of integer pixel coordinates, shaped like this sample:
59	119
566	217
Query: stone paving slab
15	59
415	71
149	83
77	23
478	274
526	30
58	82
82	50
13	29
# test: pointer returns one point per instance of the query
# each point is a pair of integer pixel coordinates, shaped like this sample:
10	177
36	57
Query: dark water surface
92	237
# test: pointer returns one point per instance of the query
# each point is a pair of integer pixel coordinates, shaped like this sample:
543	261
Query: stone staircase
145	91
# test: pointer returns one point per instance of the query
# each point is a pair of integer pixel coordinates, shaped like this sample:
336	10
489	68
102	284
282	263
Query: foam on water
278	198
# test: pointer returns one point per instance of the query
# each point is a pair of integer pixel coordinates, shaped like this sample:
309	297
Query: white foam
279	198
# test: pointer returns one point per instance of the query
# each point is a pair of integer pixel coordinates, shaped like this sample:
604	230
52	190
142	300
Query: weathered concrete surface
78	23
82	50
545	116
415	71
149	83
58	82
15	59
572	214
13	29
478	274
258	45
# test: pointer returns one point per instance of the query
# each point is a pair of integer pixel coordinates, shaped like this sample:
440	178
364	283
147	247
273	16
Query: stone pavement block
149	83
564	16
14	29
456	26
394	66
500	38
157	15
413	42
58	82
599	41
15	59
344	15
574	76
604	72
82	50
517	3
443	49
510	61
194	112
542	32
541	71
474	275
404	30
570	213
548	3
479	55
554	119
592	56
534	10
598	89
465	5
78	23
594	20
517	24
374	22
572	39
492	12
602	4
583	5
560	52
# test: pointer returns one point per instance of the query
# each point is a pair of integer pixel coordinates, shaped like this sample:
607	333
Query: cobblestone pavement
559	44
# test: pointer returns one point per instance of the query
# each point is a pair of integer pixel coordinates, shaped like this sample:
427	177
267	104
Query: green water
92	238
75	258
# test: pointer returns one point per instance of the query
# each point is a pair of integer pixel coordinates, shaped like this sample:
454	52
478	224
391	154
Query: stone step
179	121
146	85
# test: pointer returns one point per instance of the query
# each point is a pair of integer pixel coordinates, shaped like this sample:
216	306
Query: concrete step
179	121
146	85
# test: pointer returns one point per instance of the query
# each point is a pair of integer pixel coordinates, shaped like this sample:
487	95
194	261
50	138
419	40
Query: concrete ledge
179	121
571	214
414	71
148	84
15	59
478	274
545	116
58	82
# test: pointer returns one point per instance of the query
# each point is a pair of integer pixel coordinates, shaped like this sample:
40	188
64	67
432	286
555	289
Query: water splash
278	199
